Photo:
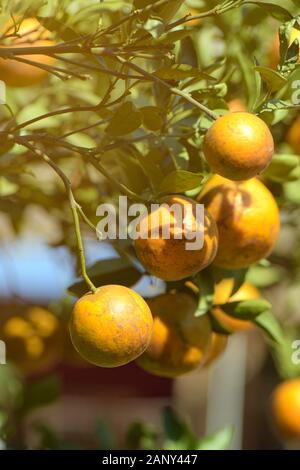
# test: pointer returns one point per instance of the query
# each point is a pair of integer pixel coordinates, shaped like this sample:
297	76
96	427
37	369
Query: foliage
124	110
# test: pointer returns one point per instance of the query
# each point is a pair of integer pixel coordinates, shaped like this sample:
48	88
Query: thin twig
89	154
73	205
174	90
54	70
97	68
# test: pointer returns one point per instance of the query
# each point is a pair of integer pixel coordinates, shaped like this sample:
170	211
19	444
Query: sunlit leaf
273	79
179	72
179	181
221	440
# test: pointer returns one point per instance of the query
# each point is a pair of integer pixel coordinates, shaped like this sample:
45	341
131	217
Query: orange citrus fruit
30	33
33	340
285	402
168	257
111	327
247	217
293	136
236	105
238	146
222	295
180	341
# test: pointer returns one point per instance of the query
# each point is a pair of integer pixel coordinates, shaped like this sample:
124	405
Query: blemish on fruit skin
248	230
169	259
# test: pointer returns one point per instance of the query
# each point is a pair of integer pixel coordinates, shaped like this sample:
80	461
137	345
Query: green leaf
284	40
140	436
246	309
206	286
221	440
168	10
179	72
196	163
292	191
250	77
270	325
293	52
7	188
179	181
152	118
286	354
108	271
217	327
11	387
64	32
283	168
263	276
178	433
41	393
273	79
150	165
218	90
82	140
173	36
278	12
125	120
276	105
126	168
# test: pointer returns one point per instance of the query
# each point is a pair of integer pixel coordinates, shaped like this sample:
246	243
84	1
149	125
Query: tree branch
73	205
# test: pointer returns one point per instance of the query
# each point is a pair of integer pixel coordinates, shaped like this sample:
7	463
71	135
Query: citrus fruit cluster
114	325
241	224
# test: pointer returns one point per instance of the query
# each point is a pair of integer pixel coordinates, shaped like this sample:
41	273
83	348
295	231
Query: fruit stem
80	247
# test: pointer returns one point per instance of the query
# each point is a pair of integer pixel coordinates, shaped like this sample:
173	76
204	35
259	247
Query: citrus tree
165	101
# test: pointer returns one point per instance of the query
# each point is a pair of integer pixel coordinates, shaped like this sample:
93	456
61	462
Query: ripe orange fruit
236	105
285	402
33	340
238	146
180	341
218	346
274	53
30	34
247	217
111	327
223	295
169	259
293	136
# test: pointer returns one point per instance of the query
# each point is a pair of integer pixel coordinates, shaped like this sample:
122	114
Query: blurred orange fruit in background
29	33
180	341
